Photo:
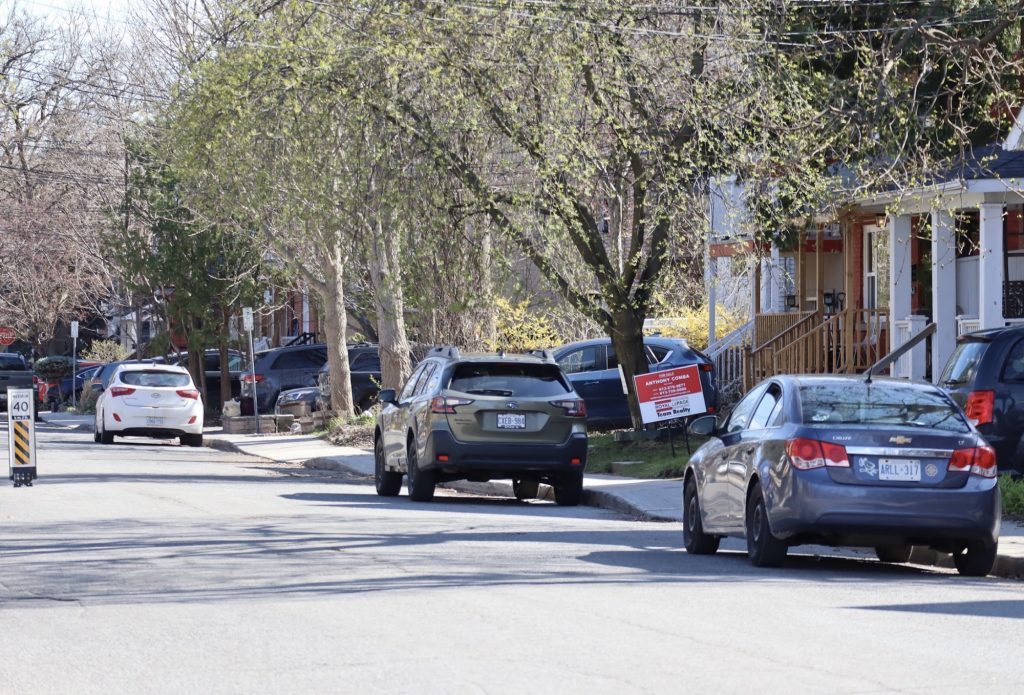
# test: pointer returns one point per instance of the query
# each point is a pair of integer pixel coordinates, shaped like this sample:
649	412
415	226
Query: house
843	293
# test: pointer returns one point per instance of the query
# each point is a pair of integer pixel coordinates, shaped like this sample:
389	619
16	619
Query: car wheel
525	489
896	554
569	490
976	559
763	549
106	437
421	483
96	436
388	483
694	539
191	439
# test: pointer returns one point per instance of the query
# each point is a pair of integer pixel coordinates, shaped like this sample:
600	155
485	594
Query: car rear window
963	363
506	380
155	377
13	363
882	403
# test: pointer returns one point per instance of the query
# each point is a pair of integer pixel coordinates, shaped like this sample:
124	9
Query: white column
943	289
778	291
899	267
899	282
990	270
305	311
767	282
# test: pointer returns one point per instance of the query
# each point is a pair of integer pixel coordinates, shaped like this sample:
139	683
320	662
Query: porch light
880	219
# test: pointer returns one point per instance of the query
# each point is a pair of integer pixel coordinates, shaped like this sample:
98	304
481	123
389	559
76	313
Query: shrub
87	404
518	328
105	351
57	367
691	324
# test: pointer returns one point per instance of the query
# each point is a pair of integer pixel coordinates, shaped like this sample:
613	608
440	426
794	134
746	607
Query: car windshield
506	380
12	362
155	377
884	403
963	364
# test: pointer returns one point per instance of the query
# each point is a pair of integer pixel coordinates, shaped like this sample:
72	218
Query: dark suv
482	417
985	376
593	368
281	369
364	373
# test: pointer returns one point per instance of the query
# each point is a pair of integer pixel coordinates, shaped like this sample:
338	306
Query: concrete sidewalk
649	500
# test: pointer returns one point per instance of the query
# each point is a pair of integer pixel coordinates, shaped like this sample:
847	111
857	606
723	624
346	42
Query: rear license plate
899	469
511	421
154	421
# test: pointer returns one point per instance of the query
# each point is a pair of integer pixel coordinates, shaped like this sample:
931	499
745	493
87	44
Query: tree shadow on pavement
1012	609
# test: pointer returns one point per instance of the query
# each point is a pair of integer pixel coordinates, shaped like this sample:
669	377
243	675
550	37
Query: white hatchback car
150	400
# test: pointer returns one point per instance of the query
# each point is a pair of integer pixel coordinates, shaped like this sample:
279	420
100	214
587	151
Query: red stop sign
7	335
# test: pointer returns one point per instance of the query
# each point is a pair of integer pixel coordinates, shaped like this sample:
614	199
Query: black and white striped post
21	436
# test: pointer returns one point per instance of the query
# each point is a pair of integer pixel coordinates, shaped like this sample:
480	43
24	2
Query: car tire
389	483
525	489
763	549
191	439
976	559
421	483
106	437
895	554
569	490
96	436
695	540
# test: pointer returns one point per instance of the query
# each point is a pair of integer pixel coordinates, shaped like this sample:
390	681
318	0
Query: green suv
482	417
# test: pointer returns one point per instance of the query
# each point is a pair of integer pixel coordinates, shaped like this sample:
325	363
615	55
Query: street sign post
247	325
7	335
74	361
21	437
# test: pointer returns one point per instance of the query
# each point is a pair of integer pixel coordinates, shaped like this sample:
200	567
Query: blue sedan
593	369
836	460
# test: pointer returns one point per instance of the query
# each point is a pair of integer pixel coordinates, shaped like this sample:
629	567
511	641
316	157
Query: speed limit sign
21	436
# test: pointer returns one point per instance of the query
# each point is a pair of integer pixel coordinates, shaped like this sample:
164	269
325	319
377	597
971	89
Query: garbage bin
245	403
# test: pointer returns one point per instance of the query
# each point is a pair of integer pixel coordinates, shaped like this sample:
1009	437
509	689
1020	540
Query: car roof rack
446	351
545	355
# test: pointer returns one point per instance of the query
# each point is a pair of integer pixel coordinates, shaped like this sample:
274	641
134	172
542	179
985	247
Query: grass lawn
1013	496
657	458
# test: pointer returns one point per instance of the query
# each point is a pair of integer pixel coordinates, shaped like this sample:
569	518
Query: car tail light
117	417
980	461
575	407
806	454
707	367
446	405
250	377
575	461
192	420
116	391
188	393
979	407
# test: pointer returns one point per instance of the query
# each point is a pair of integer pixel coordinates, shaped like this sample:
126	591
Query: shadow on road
1013	609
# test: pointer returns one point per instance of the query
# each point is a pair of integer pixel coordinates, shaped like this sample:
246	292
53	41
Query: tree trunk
628	341
332	293
386	277
225	358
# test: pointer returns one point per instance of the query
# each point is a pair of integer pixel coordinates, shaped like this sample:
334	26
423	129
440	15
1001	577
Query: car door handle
750	449
722	468
591	383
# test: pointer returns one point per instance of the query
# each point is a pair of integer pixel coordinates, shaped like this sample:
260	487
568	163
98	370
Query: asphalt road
149	567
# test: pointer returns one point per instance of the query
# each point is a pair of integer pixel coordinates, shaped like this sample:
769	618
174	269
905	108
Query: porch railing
846	343
767	327
761	360
967	324
728	355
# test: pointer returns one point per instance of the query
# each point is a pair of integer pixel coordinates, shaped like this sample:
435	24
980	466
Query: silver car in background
842	461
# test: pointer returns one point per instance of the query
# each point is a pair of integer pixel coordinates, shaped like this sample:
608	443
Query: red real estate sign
670	394
7	335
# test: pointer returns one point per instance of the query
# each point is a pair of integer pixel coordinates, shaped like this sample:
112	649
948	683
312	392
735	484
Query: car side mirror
388	396
704	426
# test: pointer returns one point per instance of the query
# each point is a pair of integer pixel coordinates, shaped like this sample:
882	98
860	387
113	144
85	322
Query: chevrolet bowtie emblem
899	439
